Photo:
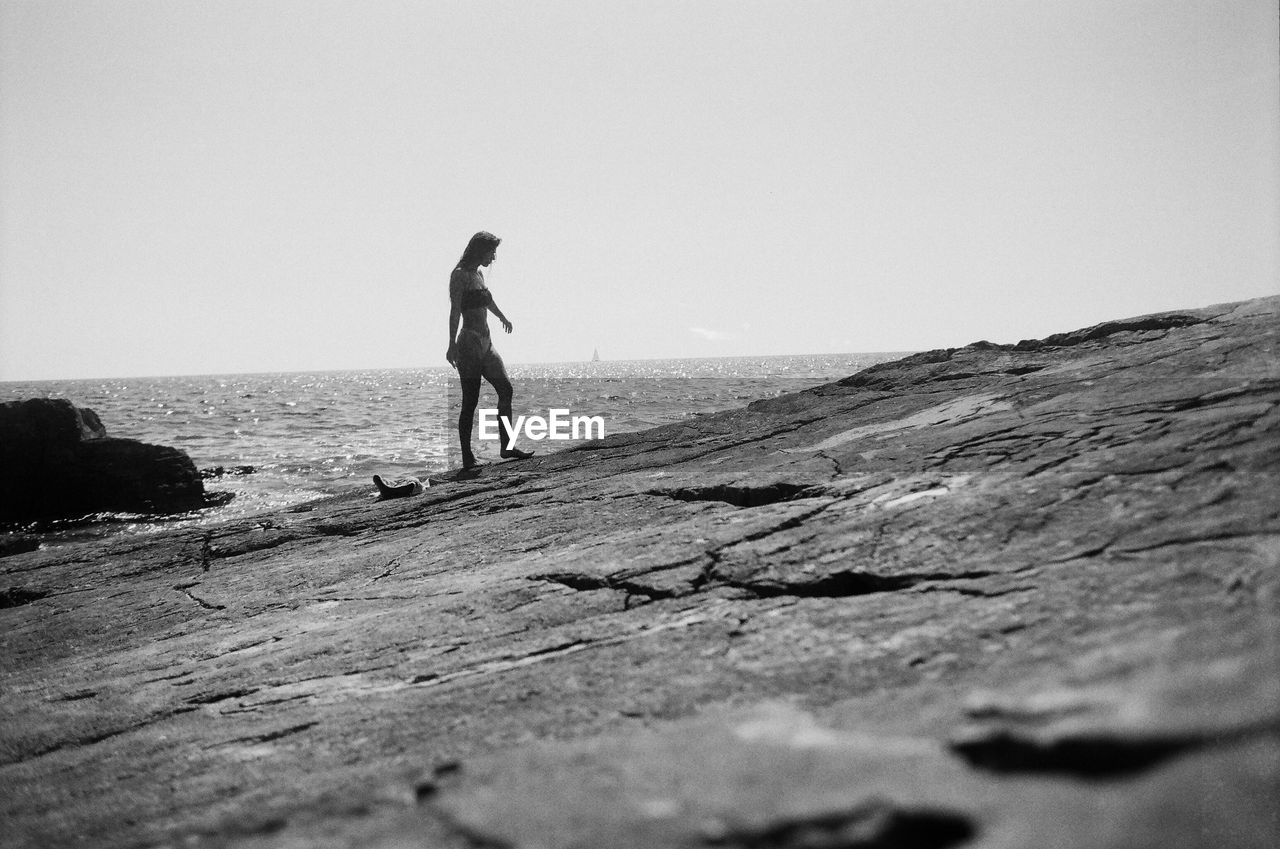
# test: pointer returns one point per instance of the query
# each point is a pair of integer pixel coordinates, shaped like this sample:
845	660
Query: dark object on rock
400	488
57	462
220	471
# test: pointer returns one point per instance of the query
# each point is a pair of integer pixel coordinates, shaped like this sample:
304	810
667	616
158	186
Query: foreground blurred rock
999	596
57	462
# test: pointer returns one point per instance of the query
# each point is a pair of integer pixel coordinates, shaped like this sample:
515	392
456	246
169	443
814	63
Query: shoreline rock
14	543
994	596
57	462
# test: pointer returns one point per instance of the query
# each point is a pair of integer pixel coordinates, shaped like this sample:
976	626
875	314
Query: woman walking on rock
471	350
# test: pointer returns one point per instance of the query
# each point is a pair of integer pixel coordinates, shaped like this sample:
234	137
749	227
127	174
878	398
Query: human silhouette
471	349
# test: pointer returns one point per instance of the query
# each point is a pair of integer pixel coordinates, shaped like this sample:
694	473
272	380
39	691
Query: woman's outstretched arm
493	308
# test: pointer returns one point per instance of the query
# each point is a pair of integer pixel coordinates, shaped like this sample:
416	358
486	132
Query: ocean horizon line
445	368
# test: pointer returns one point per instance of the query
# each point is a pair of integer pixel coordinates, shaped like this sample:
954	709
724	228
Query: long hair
479	243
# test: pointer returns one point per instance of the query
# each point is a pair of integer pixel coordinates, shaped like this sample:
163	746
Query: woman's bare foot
515	454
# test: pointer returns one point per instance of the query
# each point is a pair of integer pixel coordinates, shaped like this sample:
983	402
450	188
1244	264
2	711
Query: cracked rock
995	596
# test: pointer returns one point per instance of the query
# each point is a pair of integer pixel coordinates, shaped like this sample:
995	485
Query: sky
284	185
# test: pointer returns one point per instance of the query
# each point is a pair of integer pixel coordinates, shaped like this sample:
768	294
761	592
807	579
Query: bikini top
474	299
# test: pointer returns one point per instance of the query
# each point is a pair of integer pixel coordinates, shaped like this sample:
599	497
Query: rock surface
57	462
998	596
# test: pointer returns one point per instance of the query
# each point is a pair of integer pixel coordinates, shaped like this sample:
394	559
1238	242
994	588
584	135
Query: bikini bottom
477	357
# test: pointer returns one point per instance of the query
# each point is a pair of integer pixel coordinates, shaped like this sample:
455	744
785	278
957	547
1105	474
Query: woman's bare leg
466	418
502	385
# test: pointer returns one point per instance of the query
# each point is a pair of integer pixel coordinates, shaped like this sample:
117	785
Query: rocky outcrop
57	462
994	596
15	543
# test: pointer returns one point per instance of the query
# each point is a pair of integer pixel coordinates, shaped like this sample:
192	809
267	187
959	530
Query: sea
284	439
